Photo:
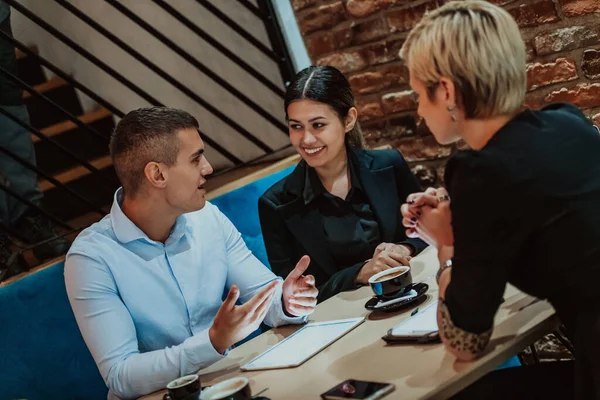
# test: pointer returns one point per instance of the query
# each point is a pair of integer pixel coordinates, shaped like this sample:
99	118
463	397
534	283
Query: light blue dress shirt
144	308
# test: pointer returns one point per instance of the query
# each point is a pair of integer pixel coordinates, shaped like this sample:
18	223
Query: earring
452	116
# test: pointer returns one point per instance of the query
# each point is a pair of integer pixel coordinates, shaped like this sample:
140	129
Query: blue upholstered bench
241	207
42	353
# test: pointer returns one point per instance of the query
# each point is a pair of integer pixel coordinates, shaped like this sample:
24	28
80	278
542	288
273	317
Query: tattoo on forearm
458	339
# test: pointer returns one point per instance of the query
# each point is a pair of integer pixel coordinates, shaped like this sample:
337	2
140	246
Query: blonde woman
523	204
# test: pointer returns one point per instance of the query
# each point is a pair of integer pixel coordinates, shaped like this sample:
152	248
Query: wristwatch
444	266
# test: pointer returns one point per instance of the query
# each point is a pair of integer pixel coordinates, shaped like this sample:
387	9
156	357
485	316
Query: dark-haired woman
341	205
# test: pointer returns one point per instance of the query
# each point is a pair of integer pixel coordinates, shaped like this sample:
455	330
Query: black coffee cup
184	388
391	282
231	389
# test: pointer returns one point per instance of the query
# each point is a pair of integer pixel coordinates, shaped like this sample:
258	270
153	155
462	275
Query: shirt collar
126	231
313	187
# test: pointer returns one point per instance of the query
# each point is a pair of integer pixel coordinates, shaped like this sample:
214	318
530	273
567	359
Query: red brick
382	52
320	43
379	79
369	31
535	14
402	127
406	19
574	8
562	70
321	18
369	110
426	175
345	61
530	49
596	119
398	101
565	39
363	8
343	36
422	128
298	5
374	133
591	64
423	149
534	101
380	133
584	95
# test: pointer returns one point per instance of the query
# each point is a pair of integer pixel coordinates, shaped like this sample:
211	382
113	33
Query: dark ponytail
327	85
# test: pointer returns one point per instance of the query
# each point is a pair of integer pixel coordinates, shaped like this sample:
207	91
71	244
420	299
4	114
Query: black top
526	210
10	93
350	225
298	216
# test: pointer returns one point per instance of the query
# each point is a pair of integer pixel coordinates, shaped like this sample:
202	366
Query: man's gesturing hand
299	291
233	323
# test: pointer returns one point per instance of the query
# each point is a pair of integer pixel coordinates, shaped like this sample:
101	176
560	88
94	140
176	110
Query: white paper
424	321
303	344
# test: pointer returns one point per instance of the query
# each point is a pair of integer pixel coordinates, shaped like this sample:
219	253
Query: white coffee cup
231	389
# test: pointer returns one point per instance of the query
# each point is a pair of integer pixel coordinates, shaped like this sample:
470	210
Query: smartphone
362	390
418	337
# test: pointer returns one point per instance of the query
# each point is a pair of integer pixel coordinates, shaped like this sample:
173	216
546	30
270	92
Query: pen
416	310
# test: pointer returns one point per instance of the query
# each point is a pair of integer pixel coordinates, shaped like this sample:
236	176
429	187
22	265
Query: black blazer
292	229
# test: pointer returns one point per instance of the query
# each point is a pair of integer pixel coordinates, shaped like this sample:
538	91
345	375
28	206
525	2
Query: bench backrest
42	353
241	207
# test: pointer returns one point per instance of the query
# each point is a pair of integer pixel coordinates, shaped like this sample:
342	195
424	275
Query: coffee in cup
184	388
231	389
389	276
391	282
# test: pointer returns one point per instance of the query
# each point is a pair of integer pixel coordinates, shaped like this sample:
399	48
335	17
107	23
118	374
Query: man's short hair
479	47
145	135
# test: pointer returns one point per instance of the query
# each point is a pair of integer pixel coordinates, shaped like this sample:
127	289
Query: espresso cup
391	282
184	388
231	389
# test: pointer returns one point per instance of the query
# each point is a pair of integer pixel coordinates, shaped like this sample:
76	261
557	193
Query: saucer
420	288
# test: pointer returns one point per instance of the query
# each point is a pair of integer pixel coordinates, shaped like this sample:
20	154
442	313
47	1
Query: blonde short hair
479	47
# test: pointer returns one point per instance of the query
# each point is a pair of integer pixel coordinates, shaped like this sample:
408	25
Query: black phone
355	389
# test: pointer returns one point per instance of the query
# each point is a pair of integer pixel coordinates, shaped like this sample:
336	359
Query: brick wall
362	39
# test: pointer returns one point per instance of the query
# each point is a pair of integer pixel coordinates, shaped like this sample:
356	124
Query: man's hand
400	249
299	291
386	256
234	323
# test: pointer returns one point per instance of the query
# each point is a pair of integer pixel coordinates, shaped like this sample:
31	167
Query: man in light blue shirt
146	282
